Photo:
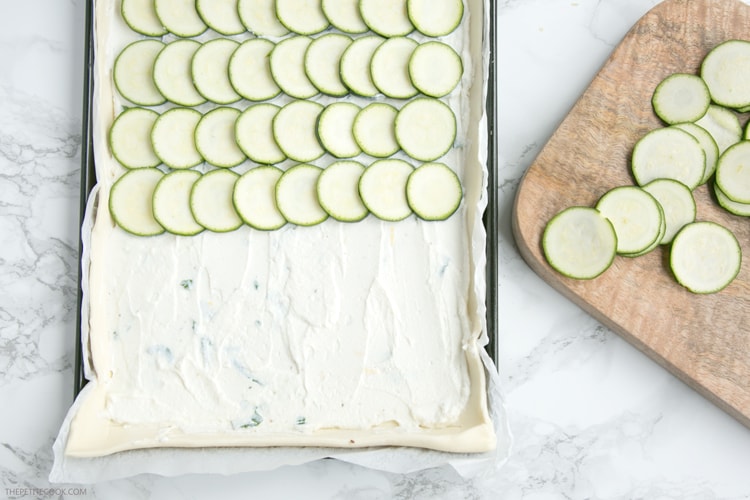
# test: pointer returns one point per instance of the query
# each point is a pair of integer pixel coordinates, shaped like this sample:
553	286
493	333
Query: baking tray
490	218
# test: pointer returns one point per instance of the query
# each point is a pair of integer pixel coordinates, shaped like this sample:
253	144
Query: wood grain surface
703	339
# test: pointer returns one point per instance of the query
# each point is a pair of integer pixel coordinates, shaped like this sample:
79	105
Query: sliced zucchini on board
336	129
707	142
338	191
254	198
579	242
322	61
297	195
374	130
130	138
133	73
131	201
723	125
254	134
221	16
211	201
173	74
140	16
678	203
733	172
726	71
389	68
434	191
215	139
636	216
425	129
733	207
259	17
435	18
435	69
355	65
250	72
681	97
180	17
171	202
210	70
287	62
173	138
388	18
344	15
668	153
705	257
295	130
304	17
382	188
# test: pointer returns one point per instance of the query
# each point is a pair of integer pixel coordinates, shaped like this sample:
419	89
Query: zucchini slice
131	201
388	18
668	153
705	257
180	17
680	98
344	15
733	172
140	16
733	207
636	216
259	17
435	69
678	203
336	129
304	17
297	195
221	16
254	134
382	187
173	73
215	139
425	129
355	65
374	130
580	243
130	138
723	125
295	130
389	68
726	71
707	142
254	198
173	138
171	202
434	191
338	191
287	62
211	201
250	72
655	244
435	18
322	60
210	70
133	73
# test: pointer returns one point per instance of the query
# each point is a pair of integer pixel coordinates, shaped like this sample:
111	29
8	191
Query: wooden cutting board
702	339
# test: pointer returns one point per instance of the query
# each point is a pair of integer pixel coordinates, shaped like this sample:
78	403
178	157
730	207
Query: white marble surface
591	416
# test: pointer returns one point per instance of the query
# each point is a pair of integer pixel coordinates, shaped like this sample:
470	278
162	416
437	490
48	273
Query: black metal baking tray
490	218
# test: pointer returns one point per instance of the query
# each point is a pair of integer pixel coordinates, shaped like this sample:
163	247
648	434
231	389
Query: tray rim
490	216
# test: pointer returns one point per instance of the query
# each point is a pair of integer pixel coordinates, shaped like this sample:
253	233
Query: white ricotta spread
341	334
